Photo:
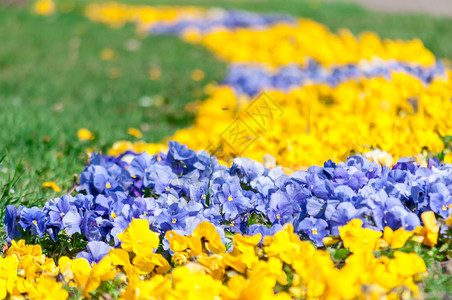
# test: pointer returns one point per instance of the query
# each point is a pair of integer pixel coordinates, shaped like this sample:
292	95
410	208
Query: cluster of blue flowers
180	189
252	79
219	18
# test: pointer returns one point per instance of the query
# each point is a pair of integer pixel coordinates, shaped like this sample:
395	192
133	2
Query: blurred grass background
53	81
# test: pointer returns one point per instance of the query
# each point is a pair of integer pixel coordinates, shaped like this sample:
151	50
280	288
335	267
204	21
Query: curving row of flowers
179	189
222	229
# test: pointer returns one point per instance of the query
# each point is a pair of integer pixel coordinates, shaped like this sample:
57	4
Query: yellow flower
449	221
358	239
51	185
8	274
150	262
286	245
84	134
448	158
243	255
48	288
120	147
107	54
431	228
208	238
197	75
81	271
139	238
155	73
330	240
180	243
192	283
135	132
44	7
115	73
396	239
19	249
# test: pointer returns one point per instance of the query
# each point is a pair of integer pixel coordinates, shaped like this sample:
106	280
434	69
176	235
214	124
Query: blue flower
143	207
398	217
173	218
232	200
180	158
96	251
280	209
318	186
315	206
33	219
159	179
11	219
141	164
246	169
264	230
441	200
198	192
90	226
57	209
72	221
315	229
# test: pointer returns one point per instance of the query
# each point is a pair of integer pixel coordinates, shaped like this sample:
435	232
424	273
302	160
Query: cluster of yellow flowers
315	123
118	14
284	44
275	267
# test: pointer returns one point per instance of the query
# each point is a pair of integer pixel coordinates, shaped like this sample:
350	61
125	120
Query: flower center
35	222
108	185
314	230
278	216
230	198
444	207
113	215
167	188
174	221
203	197
232	224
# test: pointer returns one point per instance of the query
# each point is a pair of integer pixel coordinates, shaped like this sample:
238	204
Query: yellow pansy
396	239
139	238
44	7
84	134
135	132
358	239
51	185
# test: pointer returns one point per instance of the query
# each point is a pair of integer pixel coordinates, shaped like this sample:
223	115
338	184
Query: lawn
53	82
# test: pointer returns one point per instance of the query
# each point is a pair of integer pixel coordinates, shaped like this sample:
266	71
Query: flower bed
152	221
